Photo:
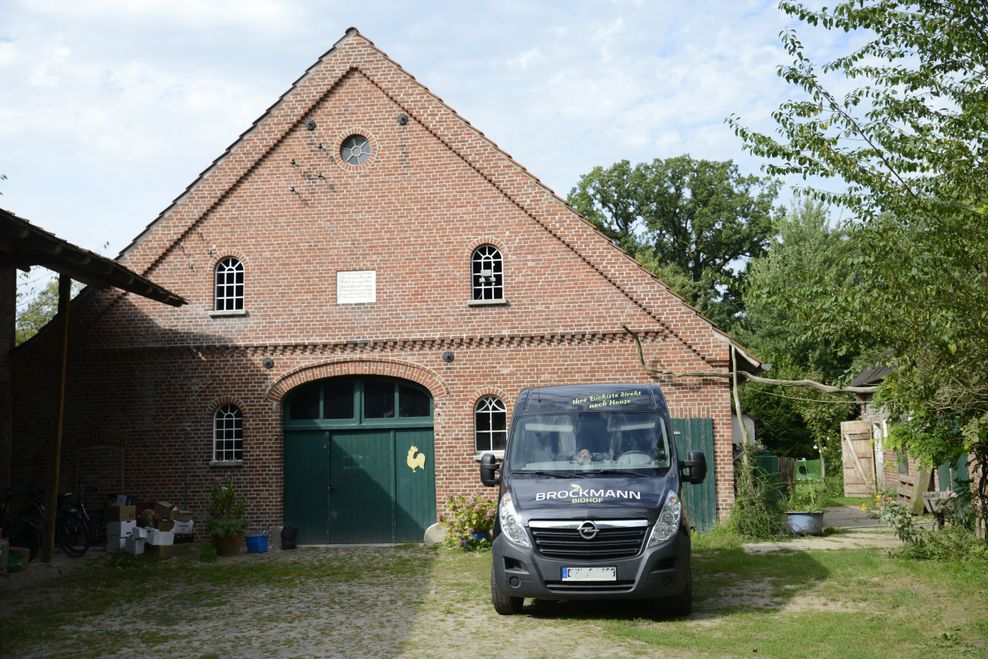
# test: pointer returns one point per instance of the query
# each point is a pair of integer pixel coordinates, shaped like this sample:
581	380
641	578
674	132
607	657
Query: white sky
109	109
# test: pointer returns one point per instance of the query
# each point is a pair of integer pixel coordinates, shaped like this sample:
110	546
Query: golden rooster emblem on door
415	459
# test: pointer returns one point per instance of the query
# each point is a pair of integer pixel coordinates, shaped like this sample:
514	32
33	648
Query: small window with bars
229	289
228	434
488	273
490	424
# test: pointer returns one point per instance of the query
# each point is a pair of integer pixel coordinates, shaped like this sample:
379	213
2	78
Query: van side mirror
489	466
693	470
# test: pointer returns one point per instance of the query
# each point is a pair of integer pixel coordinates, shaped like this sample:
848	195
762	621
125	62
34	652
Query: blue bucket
257	544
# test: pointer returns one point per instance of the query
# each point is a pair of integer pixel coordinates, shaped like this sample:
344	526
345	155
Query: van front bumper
655	572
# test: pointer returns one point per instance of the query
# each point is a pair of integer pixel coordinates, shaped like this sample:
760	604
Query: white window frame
228	292
228	435
489	405
487	275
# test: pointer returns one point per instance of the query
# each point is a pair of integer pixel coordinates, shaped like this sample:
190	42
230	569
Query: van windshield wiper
617	472
631	472
542	472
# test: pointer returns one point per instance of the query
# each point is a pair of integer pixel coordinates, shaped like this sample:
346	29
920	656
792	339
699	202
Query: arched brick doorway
359	460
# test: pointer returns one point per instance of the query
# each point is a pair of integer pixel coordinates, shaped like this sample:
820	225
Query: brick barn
371	282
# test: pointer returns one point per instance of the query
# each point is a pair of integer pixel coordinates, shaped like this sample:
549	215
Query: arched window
488	273
229	290
228	434
490	424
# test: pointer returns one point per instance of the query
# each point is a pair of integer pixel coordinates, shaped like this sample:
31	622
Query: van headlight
510	524
668	522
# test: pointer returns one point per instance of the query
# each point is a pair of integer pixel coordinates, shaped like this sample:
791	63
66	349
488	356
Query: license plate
589	574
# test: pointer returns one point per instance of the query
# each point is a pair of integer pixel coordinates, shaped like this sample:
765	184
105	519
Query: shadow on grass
308	600
724	581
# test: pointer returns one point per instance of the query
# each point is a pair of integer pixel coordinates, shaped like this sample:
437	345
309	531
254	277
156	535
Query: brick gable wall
145	379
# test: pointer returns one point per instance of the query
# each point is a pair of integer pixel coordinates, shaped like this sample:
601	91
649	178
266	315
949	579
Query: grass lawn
416	601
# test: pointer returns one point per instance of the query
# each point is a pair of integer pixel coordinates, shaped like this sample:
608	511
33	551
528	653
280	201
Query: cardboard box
121	513
164	525
120	529
183	538
115	544
139	532
120	500
181	515
169	551
134	545
156	537
183	527
163	509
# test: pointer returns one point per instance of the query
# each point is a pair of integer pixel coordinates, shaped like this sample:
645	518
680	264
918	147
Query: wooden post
64	292
8	334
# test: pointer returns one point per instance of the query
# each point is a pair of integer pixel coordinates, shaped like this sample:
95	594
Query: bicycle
75	529
24	527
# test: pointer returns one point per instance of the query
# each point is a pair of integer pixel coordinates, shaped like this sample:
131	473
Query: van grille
610	587
609	543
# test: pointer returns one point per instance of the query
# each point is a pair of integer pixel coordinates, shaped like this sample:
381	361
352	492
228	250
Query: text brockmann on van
580	495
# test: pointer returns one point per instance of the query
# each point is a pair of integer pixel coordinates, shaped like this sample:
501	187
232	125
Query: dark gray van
589	503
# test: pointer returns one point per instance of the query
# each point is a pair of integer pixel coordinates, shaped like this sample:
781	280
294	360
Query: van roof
590	397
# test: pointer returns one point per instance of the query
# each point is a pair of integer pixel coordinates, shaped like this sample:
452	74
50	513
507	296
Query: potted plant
468	522
804	508
227	523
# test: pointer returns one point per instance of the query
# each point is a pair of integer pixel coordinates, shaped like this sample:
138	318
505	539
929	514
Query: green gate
359	461
701	500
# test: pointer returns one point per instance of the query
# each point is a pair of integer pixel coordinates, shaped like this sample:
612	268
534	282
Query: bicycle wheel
72	534
25	533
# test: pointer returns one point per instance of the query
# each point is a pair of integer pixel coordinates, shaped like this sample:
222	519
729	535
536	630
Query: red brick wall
145	378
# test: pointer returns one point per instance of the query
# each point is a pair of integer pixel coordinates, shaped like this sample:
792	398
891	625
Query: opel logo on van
588	530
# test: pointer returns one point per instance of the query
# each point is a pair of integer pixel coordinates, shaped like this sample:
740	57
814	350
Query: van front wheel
679	606
504	604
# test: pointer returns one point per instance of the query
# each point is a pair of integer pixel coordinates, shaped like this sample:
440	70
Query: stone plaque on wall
356	287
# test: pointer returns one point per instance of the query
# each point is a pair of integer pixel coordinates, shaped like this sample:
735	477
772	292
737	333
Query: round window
355	150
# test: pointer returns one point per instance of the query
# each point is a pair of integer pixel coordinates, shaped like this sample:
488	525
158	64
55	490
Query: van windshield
588	441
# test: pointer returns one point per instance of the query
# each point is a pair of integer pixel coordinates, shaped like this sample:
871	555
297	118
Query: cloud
522	61
118	104
186	14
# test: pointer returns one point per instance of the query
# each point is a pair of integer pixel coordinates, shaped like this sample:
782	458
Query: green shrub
808	496
901	521
953	542
468	522
226	512
207	552
756	514
948	543
834	487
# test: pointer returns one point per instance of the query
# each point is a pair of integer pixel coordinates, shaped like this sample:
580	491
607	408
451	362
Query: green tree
692	222
804	263
909	144
37	310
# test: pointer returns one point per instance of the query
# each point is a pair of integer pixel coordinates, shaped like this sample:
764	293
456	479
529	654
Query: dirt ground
420	601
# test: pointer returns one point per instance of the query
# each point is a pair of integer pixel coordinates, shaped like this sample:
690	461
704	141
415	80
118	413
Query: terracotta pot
229	545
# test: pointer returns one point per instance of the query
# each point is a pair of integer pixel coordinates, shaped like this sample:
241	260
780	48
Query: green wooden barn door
307	487
359	461
361	501
701	499
415	492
